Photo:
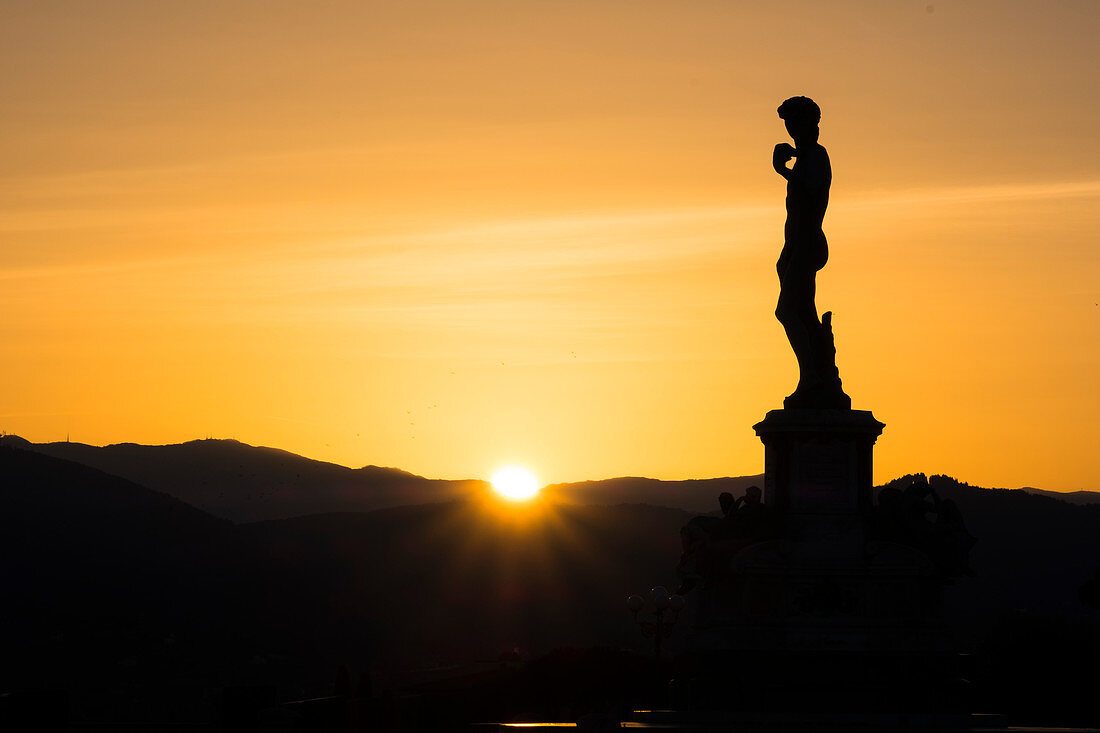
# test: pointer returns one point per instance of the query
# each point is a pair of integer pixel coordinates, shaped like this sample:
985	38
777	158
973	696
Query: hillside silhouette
128	589
122	586
1073	497
107	578
246	483
693	495
1034	552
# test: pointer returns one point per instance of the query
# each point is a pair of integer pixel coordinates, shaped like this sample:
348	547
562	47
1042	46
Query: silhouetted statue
710	542
805	251
747	516
888	518
902	516
701	540
751	519
728	504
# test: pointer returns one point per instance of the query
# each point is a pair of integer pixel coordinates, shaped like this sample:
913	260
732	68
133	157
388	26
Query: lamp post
656	615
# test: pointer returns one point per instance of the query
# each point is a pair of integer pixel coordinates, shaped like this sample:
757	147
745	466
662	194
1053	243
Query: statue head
801	116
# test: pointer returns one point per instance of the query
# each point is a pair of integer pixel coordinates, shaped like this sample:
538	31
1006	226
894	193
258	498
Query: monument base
820	582
819	616
818	461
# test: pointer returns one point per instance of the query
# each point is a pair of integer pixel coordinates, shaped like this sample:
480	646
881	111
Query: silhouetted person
805	251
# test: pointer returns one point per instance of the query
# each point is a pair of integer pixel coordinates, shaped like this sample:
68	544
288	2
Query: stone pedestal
818	461
820	584
819	614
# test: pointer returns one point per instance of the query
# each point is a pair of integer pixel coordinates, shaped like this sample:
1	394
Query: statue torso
808	189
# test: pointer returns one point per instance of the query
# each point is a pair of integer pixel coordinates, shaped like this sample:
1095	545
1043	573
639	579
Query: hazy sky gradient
444	236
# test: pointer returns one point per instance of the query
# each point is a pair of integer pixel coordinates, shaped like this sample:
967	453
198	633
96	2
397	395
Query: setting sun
515	483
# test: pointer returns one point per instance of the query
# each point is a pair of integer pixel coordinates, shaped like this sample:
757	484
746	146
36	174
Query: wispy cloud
503	254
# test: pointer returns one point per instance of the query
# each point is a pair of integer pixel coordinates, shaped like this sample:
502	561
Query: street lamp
656	615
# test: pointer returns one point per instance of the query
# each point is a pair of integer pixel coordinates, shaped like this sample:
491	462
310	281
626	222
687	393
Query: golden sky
445	236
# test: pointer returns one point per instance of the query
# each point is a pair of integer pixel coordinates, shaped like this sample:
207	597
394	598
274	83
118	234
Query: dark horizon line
5	437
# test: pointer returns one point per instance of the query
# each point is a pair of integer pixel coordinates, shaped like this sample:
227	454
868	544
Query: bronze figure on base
805	251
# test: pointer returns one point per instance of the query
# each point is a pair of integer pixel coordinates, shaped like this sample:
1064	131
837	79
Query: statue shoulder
814	168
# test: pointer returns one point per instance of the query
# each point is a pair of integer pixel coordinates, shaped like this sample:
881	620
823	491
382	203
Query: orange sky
446	236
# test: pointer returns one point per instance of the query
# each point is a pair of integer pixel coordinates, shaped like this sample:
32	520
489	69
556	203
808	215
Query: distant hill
122	587
99	572
541	579
246	483
693	495
1034	551
113	581
1073	497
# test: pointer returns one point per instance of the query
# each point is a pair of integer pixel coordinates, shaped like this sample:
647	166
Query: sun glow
515	483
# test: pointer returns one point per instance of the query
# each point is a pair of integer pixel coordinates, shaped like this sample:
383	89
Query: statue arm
813	171
780	156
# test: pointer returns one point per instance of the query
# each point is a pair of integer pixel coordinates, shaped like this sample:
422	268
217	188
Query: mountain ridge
115	584
245	483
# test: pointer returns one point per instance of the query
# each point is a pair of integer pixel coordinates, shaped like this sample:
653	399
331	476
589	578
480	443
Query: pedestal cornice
819	421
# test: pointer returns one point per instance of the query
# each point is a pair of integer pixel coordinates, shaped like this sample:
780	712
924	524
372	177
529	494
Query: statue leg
810	337
798	314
